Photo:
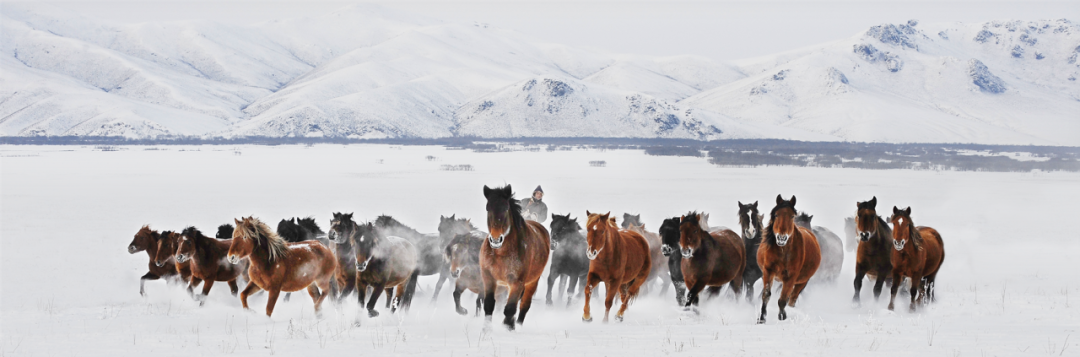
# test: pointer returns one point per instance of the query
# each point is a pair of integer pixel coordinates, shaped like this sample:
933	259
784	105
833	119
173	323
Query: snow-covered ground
68	286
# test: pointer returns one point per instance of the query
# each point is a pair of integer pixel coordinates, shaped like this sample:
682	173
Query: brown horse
385	262
619	259
710	259
207	260
463	252
789	254
276	266
919	261
165	256
873	257
147	240
515	255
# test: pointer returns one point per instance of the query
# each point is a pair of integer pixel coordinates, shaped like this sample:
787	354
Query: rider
533	208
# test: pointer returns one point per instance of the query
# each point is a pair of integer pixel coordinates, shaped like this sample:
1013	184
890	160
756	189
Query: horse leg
766	293
551	284
489	294
713	291
859	275
142	282
205	291
610	289
458	289
443	273
399	295
479	303
896	280
930	296
693	293
624	299
389	296
878	284
316	297
570	288
590	283
511	307
251	288
375	293
288	296
233	288
916	287
785	296
271	300
526	300
665	282
795	294
563	278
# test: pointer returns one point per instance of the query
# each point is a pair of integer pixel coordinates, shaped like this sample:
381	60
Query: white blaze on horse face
591	253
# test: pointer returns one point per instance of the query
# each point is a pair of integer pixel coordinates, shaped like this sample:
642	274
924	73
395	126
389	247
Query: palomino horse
750	222
919	261
669	237
790	254
875	244
429	248
207	257
620	259
659	261
463	252
568	260
166	250
832	250
147	240
709	258
514	256
384	263
276	265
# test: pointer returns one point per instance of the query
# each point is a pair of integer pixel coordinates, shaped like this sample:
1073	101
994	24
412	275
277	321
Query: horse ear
453	216
740	204
487	192
792	201
754	205
873	202
587	213
895	210
907	211
779	200
237	221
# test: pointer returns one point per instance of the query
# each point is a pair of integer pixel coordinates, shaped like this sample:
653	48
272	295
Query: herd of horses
508	260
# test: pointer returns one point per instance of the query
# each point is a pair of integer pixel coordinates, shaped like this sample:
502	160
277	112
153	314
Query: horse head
750	220
244	238
782	220
690	233
309	228
598	227
342	228
503	212
364	245
630	220
803	220
166	247
450	227
562	227
866	219
904	229
144	239
463	251
185	246
669	236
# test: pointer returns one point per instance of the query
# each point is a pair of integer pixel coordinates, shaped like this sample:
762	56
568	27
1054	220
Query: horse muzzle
688	253
592	254
782	239
666	250
750	233
456	273
363	266
899	244
132	249
159	263
180	258
864	236
497	244
233	259
554	244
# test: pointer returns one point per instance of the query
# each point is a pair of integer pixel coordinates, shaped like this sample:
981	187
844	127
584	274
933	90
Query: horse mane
309	224
695	217
275	245
913	234
196	235
883	226
385	221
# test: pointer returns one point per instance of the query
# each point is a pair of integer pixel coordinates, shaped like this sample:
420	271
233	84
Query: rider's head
538	194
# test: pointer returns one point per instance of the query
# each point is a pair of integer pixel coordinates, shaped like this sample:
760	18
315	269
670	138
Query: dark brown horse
710	259
341	235
789	254
515	255
385	263
165	256
619	259
752	230
463	252
277	266
147	240
918	261
873	257
207	260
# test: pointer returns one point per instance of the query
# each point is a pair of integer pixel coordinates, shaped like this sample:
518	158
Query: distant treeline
736	152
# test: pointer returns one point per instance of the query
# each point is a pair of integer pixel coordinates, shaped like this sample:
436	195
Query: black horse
873	257
224	231
568	259
669	236
750	221
429	247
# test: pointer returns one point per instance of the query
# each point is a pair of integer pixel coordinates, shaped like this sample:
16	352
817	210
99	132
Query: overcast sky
723	30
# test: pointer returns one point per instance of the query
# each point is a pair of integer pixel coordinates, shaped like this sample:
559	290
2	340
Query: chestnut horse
463	252
207	261
873	257
919	261
276	266
789	254
515	255
710	259
147	240
659	261
165	256
750	221
669	237
620	259
384	263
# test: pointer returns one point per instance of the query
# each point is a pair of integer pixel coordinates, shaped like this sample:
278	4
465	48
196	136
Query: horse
207	261
297	229
832	249
618	258
342	228
166	250
384	263
146	240
669	236
789	254
750	222
873	257
451	227
659	262
515	255
568	260
276	265
429	249
920	261
710	259
224	231
463	252
851	238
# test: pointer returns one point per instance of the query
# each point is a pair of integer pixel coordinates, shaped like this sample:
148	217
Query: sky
722	30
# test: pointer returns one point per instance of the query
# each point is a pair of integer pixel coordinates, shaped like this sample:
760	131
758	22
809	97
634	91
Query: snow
69	286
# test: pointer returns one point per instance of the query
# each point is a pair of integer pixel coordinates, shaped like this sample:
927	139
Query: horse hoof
761	320
509	325
550	303
586	319
356	323
619	318
373	313
890	307
782	316
462	312
911	309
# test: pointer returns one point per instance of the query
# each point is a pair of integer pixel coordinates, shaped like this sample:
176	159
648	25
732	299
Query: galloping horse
165	256
147	240
790	254
463	252
568	260
385	262
429	248
342	231
620	259
207	257
659	261
750	221
832	250
276	266
669	236
709	258
515	255
875	244
920	261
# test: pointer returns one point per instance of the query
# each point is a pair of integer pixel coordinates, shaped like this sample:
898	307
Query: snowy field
68	287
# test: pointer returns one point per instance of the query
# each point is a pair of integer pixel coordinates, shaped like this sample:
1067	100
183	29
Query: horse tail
410	289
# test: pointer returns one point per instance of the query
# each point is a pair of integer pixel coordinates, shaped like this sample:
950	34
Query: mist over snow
365	71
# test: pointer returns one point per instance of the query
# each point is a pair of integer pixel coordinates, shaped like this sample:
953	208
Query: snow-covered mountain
369	72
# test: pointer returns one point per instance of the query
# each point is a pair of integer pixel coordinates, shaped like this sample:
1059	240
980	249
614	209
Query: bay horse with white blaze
276	265
750	222
873	257
789	254
710	259
207	257
515	255
919	261
619	259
